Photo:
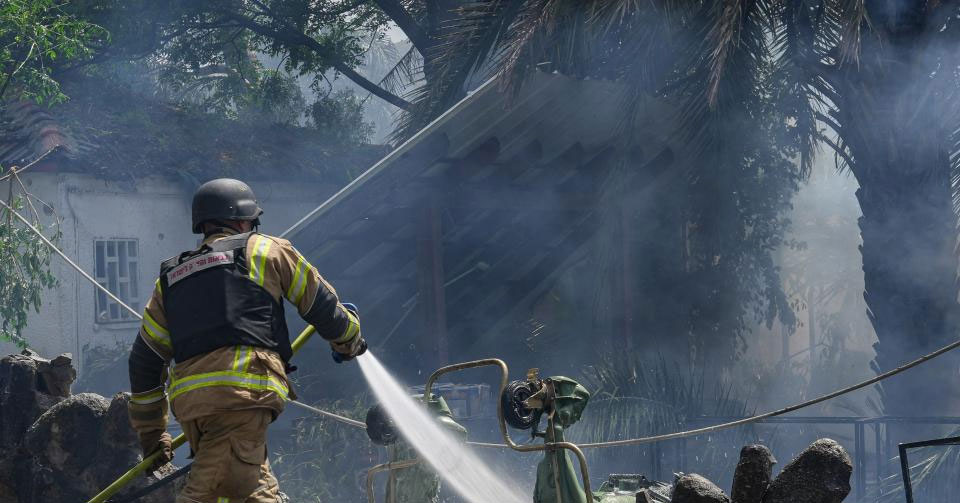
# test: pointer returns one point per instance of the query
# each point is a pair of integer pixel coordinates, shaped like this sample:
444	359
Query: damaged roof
128	136
516	182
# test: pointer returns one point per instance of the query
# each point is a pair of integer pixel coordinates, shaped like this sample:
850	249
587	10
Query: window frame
123	254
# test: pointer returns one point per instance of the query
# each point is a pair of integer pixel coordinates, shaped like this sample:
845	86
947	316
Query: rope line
331	415
610	443
780	412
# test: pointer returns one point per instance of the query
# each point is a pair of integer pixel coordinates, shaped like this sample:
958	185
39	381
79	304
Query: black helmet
224	199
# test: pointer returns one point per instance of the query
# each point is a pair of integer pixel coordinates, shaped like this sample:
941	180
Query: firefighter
215	328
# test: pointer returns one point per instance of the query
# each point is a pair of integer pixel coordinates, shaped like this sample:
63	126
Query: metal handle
386	467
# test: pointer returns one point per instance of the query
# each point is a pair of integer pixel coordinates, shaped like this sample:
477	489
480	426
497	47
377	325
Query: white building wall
154	211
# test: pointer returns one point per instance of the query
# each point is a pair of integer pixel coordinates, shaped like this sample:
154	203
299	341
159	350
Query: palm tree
874	80
892	95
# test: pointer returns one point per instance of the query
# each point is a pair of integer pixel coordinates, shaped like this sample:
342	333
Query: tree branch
822	117
417	35
840	151
295	37
13	71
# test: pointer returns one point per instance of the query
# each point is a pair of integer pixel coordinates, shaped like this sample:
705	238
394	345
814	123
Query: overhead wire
609	443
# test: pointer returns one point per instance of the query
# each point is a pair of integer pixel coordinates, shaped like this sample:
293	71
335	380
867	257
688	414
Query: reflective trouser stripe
223	500
241	358
228	378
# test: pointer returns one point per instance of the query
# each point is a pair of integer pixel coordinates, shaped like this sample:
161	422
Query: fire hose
305	335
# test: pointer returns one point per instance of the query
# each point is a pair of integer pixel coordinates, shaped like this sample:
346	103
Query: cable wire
331	415
780	412
71	262
611	443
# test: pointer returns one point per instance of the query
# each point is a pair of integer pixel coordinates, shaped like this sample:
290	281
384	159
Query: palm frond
852	16
723	37
406	72
469	43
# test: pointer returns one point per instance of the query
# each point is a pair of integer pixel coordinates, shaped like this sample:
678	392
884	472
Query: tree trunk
909	266
892	120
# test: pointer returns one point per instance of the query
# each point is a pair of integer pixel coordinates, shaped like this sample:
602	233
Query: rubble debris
693	488
631	488
55	446
820	474
753	475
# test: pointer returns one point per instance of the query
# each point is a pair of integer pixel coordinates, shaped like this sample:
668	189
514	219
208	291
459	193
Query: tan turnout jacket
254	377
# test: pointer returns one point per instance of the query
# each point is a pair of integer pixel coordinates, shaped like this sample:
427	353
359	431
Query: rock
60	451
21	403
60	447
753	474
117	432
57	375
18	382
820	474
29	386
693	488
121	450
8	485
80	446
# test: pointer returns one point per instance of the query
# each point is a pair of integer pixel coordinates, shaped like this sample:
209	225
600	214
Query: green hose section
181	439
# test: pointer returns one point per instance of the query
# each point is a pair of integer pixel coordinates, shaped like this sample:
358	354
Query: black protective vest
211	302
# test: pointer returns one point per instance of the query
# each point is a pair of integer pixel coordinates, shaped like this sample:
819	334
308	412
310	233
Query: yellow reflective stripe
296	279
275	387
270	386
228	378
247	357
155	331
258	259
147	397
353	327
254	273
241	363
299	283
156	326
157	286
303	286
223	500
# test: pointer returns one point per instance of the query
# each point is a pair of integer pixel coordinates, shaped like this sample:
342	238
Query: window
116	268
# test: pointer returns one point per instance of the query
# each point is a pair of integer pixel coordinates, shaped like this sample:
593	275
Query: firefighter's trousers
230	459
